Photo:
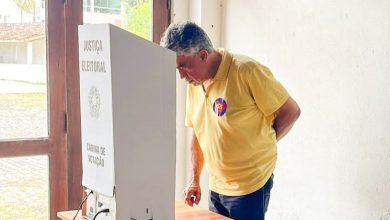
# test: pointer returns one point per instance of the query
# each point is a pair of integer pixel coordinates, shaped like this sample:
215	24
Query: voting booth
128	122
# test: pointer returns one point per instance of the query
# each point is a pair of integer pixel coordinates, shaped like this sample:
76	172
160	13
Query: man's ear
203	55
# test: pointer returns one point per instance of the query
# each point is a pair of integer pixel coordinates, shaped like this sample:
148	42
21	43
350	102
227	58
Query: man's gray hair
186	38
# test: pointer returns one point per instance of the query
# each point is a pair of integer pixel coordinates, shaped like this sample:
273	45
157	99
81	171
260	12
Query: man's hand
192	195
192	192
285	117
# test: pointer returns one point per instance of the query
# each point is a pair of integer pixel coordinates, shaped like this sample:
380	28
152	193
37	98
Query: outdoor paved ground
24	188
23	180
23	116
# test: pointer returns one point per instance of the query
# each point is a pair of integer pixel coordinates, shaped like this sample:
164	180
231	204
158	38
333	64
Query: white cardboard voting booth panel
128	121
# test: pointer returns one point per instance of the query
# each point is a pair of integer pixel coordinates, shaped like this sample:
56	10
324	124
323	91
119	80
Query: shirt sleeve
188	119
266	91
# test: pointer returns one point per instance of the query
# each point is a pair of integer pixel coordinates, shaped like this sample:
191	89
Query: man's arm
193	192
285	117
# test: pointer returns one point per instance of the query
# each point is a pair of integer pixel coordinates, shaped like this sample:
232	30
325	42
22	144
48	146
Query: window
134	16
102	6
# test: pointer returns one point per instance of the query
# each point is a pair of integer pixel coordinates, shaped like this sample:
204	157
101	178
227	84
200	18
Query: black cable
101	211
82	204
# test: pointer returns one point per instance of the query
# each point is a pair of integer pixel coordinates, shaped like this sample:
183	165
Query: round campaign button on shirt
219	107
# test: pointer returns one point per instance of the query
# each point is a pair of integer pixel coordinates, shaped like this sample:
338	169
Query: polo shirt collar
224	66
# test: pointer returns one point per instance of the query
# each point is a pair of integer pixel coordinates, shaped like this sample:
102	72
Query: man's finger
188	198
189	202
197	197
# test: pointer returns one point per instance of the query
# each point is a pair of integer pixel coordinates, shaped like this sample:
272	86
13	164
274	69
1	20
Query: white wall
333	57
208	15
39	51
13	52
181	13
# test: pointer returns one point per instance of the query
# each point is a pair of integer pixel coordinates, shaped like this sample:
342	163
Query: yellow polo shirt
233	123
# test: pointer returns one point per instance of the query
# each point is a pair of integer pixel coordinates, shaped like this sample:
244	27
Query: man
238	112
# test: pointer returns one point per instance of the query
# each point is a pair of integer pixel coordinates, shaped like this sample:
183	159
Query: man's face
192	68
